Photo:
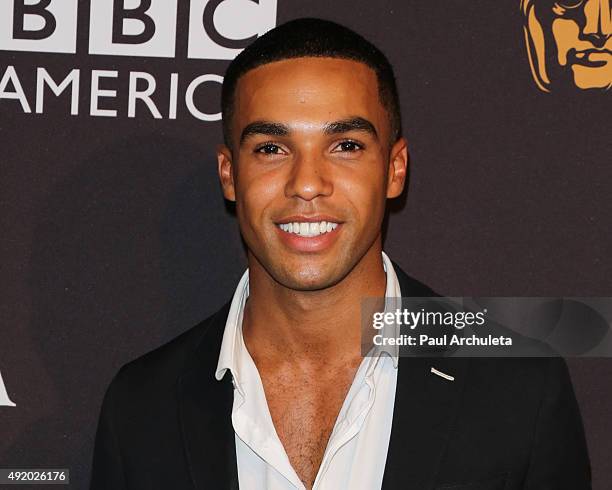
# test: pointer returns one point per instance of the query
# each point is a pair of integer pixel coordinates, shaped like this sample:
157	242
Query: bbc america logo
218	29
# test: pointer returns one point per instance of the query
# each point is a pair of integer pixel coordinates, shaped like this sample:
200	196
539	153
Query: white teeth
308	229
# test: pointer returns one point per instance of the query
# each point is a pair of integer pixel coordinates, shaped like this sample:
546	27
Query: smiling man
273	392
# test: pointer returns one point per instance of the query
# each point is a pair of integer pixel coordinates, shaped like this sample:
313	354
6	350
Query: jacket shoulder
410	286
163	365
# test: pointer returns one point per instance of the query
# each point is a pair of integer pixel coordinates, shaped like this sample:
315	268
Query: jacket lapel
424	411
205	410
425	406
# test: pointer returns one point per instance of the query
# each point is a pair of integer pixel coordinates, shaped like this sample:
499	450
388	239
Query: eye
348	146
269	149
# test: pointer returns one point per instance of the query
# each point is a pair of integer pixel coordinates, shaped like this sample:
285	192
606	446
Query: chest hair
304	408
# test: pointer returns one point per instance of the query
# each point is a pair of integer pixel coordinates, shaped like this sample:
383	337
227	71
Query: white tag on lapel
442	375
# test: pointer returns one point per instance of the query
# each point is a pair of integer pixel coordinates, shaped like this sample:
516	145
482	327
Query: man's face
310	168
582	32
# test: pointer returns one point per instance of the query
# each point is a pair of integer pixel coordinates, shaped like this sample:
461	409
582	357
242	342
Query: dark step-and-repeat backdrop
115	237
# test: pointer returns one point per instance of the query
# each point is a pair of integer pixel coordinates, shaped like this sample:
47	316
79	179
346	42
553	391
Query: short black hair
310	37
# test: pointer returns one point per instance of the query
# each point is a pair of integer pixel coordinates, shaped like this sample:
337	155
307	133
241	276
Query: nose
309	178
598	21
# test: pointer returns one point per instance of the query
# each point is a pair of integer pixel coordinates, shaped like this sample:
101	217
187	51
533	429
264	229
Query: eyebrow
264	127
350	124
270	128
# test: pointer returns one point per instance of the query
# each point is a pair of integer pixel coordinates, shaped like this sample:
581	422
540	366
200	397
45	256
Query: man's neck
310	327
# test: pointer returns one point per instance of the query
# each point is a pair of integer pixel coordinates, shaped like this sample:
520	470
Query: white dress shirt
356	452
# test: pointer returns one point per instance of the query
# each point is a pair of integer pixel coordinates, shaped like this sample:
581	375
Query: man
569	43
272	391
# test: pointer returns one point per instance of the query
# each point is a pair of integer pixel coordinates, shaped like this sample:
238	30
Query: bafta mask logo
569	43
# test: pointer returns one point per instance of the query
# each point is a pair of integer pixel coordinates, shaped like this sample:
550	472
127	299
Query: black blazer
502	424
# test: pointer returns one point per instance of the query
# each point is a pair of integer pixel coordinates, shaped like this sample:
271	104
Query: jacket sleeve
559	457
107	469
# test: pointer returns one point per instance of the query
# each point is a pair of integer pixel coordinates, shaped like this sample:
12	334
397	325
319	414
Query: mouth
308	228
591	57
309	234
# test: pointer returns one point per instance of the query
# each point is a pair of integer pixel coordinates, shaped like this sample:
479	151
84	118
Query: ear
398	168
226	172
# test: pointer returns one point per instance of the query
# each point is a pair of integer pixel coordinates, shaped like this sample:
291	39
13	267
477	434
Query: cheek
255	192
565	33
365	190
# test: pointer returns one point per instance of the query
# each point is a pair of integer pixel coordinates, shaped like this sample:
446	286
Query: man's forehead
308	76
318	89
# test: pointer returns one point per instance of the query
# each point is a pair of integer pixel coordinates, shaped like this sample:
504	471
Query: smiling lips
308	234
308	229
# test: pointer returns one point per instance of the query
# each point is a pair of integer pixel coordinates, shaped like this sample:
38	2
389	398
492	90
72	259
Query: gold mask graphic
569	43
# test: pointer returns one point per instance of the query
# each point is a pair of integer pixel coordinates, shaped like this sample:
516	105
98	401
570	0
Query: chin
308	278
309	281
592	78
